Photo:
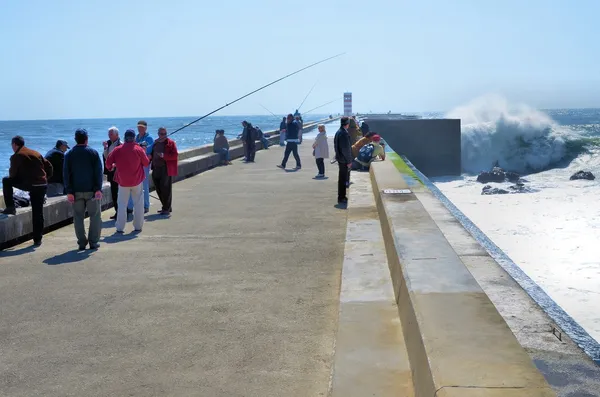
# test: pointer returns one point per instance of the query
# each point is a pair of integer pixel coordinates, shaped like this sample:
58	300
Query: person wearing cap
221	146
343	155
146	142
110	145
130	160
369	153
28	171
56	157
164	158
82	174
291	147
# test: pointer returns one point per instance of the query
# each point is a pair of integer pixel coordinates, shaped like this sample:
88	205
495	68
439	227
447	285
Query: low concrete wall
432	145
458	344
58	212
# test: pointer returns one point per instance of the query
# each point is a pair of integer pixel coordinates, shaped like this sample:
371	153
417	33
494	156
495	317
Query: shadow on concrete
68	257
119	237
156	217
292	170
320	179
17	252
109	223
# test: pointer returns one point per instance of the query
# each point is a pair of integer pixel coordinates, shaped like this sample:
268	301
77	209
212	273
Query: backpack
258	134
365	154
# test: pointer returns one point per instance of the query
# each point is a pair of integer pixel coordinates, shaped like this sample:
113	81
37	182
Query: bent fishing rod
268	110
255	91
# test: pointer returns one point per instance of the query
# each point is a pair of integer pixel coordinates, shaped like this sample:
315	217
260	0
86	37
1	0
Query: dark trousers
114	189
321	166
163	183
36	198
343	180
291	147
250	150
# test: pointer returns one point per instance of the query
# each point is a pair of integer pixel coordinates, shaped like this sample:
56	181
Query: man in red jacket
130	160
164	167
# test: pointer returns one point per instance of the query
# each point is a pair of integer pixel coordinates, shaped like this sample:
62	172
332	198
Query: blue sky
133	58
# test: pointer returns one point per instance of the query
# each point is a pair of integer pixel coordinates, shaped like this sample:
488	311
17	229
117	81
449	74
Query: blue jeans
146	187
265	143
224	152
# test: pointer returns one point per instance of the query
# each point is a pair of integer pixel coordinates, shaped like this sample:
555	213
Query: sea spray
518	137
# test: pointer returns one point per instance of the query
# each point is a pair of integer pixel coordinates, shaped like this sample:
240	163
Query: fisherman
368	153
343	155
164	158
249	139
28	171
364	127
109	146
145	141
260	136
130	160
292	143
221	146
56	157
282	127
361	142
82	174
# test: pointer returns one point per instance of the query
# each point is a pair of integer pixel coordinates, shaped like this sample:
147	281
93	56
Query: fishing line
255	91
313	87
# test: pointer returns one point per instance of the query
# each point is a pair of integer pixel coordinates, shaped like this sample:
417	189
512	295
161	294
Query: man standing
291	129
343	155
282	127
82	174
28	171
164	167
109	146
145	141
130	159
249	139
56	157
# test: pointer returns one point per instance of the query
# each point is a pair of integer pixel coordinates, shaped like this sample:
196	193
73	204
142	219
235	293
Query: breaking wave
518	137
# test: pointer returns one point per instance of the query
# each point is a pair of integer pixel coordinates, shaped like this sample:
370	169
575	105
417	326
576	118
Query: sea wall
58	211
432	145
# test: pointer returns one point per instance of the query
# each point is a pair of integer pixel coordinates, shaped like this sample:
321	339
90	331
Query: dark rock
518	188
583	175
488	190
497	174
512	176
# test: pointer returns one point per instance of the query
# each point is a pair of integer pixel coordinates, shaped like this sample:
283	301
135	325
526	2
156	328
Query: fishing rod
313	87
318	107
268	111
255	91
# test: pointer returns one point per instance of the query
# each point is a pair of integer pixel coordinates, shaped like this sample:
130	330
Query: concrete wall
432	145
58	212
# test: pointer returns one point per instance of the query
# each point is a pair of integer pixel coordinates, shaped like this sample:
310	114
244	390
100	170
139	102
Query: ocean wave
518	137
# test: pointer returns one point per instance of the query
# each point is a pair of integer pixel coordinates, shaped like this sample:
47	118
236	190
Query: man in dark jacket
249	139
291	130
28	171
56	157
82	174
343	155
163	158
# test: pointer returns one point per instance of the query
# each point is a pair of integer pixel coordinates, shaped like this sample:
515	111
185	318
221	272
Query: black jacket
343	148
57	159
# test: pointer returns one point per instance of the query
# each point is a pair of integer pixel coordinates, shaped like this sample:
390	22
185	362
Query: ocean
552	233
41	135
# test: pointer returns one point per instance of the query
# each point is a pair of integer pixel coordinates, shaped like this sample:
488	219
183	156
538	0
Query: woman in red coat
164	167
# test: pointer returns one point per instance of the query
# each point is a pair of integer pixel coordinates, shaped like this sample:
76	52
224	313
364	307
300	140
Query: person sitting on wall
361	142
221	146
56	157
369	153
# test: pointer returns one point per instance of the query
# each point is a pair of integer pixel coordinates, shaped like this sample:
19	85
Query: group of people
78	173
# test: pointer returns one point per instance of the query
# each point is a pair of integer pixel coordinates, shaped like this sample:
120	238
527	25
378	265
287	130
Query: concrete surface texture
370	354
235	295
455	336
57	211
432	145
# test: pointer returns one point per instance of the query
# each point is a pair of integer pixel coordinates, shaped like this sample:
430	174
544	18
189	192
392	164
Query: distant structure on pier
347	104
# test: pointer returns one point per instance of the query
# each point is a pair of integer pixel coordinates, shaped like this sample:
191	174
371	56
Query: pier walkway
237	294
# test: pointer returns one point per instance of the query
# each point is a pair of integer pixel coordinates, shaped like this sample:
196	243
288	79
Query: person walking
221	146
164	158
109	146
129	159
28	171
343	155
82	173
56	157
145	141
282	128
292	129
321	150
